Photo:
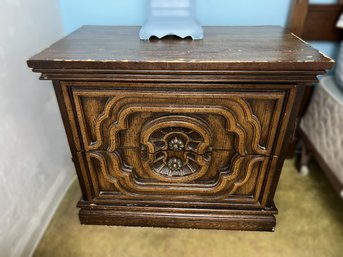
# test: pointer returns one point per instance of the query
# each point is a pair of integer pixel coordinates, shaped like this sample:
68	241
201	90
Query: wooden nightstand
180	133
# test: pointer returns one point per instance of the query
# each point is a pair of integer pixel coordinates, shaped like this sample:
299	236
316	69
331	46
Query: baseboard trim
50	211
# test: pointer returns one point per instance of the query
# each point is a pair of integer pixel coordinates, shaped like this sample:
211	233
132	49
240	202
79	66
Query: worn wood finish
180	133
223	49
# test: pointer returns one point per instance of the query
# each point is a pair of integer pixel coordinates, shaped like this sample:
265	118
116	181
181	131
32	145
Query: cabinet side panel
284	138
74	143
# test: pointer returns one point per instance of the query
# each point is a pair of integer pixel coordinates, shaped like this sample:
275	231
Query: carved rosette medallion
174	165
176	146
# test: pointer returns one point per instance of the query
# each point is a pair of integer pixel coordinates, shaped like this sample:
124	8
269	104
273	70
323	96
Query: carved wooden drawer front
158	145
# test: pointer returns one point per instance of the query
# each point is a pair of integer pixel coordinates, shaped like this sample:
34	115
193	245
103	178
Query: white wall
35	165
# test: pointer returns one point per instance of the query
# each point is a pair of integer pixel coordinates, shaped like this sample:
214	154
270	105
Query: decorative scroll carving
237	113
226	184
177	143
234	123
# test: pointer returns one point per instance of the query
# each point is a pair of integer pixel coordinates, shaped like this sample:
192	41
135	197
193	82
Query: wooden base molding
206	219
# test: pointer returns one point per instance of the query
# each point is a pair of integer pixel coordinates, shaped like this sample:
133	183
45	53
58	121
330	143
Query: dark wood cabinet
180	133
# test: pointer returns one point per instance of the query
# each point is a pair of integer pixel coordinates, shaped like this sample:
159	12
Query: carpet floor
309	224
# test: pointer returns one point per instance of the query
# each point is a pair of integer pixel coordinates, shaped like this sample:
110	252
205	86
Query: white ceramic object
175	17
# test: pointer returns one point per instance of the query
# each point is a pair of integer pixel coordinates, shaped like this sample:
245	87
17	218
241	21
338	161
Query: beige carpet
310	223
